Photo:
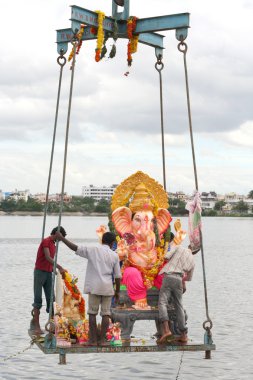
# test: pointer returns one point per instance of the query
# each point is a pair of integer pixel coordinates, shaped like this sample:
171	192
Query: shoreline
36	213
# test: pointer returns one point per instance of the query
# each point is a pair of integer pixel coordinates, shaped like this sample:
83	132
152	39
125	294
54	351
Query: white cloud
242	136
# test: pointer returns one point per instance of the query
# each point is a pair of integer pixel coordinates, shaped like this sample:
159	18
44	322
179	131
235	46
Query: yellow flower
68	277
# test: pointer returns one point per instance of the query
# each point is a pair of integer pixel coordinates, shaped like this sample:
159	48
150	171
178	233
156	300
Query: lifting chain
159	67
50	326
182	47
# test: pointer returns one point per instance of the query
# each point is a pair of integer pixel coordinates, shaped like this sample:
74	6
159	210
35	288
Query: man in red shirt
43	275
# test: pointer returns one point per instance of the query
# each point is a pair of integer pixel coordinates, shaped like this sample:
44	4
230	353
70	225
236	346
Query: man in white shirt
180	263
103	266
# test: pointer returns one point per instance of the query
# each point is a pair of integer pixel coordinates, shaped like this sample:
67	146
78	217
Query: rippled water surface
228	256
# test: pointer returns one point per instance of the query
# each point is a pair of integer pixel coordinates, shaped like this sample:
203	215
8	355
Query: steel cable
159	67
182	47
62	64
74	43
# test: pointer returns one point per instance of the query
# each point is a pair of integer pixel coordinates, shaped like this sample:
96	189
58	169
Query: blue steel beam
65	35
87	17
156	24
152	39
152	24
144	27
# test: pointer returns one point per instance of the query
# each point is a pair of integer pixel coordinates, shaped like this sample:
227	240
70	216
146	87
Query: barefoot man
103	266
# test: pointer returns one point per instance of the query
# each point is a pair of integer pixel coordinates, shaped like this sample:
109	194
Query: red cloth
159	278
41	261
158	281
133	280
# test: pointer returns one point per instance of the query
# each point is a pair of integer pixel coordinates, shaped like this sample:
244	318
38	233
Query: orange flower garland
133	40
79	37
70	284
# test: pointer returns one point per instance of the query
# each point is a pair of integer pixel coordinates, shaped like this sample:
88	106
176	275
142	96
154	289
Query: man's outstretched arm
68	243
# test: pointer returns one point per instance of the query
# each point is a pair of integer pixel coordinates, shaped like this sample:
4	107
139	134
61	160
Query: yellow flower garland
79	37
100	35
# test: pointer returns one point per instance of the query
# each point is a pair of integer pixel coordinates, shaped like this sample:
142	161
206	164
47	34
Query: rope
159	66
180	365
74	43
61	60
182	47
33	340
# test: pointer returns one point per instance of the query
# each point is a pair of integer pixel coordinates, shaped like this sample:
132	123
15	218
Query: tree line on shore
88	205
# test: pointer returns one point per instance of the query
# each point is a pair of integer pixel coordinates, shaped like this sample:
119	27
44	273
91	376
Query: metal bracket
124	15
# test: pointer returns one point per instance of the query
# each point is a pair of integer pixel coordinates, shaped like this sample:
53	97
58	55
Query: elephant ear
122	220
163	220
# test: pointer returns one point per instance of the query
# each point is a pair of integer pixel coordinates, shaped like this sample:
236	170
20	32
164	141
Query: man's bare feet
183	338
165	338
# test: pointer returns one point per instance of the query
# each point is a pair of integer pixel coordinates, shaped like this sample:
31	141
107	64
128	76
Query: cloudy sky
115	119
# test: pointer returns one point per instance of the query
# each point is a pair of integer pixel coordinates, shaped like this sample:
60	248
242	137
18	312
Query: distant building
208	200
41	197
57	198
1	196
233	199
98	192
18	195
249	202
181	196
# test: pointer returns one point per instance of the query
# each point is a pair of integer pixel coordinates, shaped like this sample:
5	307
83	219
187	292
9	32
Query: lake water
228	253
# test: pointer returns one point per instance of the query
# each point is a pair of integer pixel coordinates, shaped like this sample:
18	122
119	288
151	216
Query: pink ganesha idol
140	217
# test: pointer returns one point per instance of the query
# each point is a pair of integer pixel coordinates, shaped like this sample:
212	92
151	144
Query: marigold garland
93	30
100	35
149	275
79	37
70	283
133	40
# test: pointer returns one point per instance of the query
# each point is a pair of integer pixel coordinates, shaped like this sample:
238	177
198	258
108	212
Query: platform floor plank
134	345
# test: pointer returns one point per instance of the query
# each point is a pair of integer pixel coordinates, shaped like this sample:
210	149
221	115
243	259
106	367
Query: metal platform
132	345
127	316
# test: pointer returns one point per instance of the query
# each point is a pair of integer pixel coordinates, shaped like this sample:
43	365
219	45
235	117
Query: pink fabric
194	221
133	280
